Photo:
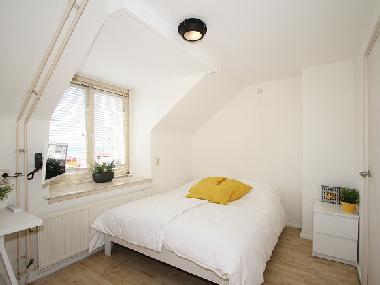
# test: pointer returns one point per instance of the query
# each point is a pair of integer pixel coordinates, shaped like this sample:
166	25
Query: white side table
12	223
335	233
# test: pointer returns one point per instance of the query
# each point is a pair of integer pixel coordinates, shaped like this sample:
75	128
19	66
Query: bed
223	244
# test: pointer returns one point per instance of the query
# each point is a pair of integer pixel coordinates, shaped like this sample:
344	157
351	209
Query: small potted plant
4	191
349	198
103	172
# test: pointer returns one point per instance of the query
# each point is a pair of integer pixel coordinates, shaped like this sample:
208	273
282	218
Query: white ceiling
129	53
25	31
270	39
250	40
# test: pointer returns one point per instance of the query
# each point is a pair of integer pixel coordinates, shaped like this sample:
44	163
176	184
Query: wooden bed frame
167	257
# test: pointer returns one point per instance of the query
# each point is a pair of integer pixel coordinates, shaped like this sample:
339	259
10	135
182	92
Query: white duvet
234	241
143	222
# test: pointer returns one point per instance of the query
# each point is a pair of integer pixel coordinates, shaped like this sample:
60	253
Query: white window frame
91	85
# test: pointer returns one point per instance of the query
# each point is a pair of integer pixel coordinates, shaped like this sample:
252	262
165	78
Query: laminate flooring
291	264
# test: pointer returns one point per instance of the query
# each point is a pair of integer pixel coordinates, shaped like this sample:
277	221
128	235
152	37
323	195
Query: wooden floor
290	264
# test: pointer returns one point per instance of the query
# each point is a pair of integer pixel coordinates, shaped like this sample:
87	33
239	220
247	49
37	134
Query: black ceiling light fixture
192	29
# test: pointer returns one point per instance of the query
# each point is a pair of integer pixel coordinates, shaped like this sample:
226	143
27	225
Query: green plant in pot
4	191
349	198
103	172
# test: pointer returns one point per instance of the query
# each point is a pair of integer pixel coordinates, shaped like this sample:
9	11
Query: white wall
8	151
328	132
28	30
173	152
148	106
158	74
257	136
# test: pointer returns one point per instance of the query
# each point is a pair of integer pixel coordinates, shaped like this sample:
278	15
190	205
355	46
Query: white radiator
65	234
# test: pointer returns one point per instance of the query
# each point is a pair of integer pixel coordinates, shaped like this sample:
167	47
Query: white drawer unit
335	233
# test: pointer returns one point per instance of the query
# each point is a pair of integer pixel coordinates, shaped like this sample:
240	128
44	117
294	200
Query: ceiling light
192	29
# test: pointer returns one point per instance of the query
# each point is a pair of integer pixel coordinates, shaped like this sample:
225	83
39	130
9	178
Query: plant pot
103	177
348	207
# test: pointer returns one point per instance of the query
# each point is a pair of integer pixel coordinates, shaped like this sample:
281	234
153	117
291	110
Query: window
109	128
68	126
91	119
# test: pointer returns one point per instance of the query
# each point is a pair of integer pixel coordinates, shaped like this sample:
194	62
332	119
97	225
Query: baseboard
40	273
293	225
359	270
306	236
340	260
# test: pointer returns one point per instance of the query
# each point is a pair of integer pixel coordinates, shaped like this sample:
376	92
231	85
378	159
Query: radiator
65	234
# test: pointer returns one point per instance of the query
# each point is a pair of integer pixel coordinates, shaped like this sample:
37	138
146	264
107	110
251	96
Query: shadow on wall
172	137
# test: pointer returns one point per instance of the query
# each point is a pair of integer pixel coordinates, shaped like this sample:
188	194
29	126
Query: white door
373	75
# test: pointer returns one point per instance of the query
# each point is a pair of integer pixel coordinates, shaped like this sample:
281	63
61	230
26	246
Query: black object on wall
37	165
38	160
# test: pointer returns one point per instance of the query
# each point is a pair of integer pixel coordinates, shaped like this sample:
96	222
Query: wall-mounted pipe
37	76
56	59
66	14
39	93
30	102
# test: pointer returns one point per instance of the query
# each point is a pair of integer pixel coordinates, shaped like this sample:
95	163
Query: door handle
365	174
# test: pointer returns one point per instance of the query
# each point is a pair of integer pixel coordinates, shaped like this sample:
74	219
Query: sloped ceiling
250	40
272	39
202	101
256	41
26	29
25	34
130	54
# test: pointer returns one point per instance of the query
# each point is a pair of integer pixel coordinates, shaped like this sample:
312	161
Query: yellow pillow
212	180
212	193
206	185
206	189
239	189
221	195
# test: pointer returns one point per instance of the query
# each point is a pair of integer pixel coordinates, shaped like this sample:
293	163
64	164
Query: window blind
68	126
109	127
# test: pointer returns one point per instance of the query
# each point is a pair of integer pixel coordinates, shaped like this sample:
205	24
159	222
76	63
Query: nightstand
335	233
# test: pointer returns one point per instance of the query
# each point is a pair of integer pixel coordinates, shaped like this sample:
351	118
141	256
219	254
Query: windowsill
76	189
